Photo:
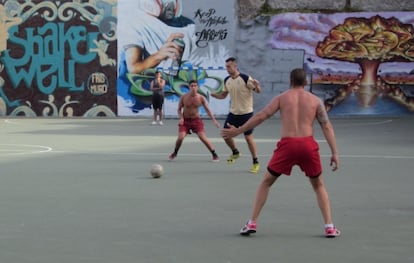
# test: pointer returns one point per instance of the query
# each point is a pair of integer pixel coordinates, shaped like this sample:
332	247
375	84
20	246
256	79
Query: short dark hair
298	77
232	59
193	81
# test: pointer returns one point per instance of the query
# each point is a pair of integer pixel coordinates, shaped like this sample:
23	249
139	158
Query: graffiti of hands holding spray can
173	51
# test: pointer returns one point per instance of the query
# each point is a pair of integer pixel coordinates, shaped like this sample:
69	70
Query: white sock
329	225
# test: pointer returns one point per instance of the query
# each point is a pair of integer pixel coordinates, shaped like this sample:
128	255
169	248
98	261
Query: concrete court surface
79	191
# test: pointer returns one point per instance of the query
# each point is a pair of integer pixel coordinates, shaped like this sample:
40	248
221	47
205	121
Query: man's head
231	65
193	85
298	77
170	9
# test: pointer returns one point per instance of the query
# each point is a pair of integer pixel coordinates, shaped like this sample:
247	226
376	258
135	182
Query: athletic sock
255	160
235	151
213	152
329	225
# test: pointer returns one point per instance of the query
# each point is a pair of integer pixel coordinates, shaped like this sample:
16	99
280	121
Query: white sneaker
154	123
161	123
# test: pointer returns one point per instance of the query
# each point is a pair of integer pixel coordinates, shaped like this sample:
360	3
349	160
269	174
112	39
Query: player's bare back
298	111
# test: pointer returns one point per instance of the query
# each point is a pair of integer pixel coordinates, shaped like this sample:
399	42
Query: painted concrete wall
62	81
248	9
272	66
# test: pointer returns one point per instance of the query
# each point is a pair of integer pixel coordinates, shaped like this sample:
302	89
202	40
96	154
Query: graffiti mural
185	40
58	58
359	63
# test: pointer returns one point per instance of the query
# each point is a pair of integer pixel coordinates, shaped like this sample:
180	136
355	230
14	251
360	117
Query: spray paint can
174	64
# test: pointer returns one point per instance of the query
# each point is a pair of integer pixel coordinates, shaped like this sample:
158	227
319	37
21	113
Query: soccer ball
157	170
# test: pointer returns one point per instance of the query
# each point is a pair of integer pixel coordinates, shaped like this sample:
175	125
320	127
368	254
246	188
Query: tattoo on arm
321	114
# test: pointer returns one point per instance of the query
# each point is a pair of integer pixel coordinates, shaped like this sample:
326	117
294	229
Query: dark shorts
302	151
157	101
191	125
238	120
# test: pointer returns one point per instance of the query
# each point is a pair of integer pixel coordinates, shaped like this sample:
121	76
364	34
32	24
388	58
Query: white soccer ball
157	170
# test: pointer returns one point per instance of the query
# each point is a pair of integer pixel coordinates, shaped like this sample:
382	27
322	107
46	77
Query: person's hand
181	121
229	132
170	49
257	87
256	82
334	162
216	123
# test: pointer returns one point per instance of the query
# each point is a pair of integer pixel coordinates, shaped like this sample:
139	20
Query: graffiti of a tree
369	42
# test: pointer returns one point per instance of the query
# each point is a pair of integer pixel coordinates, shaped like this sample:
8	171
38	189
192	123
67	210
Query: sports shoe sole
248	232
232	159
336	234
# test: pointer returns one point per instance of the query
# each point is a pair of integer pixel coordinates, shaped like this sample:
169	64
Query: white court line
259	155
16	150
362	123
374	156
258	140
11	122
47	149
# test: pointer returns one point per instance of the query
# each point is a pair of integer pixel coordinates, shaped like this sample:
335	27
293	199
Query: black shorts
238	120
157	101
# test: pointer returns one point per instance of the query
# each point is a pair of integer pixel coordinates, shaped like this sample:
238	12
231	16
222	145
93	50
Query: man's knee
269	179
249	138
316	182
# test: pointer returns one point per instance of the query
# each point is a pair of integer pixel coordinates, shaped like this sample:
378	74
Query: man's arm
210	114
134	55
328	132
180	110
135	63
162	83
257	88
220	96
254	121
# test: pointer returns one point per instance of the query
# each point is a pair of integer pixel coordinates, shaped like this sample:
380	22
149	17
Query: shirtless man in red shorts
190	121
298	110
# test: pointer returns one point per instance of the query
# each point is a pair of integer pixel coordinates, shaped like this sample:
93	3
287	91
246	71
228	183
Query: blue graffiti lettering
49	56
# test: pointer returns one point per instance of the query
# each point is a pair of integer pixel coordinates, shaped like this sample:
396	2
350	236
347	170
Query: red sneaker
172	156
332	232
249	228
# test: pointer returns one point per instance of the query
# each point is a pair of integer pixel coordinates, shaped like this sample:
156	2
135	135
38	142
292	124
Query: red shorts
191	125
302	151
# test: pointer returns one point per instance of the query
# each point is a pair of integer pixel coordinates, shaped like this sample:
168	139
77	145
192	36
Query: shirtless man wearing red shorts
298	110
190	121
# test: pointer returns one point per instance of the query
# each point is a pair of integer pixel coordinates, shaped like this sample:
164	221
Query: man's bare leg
252	145
230	143
259	201
261	194
322	198
204	139
178	143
